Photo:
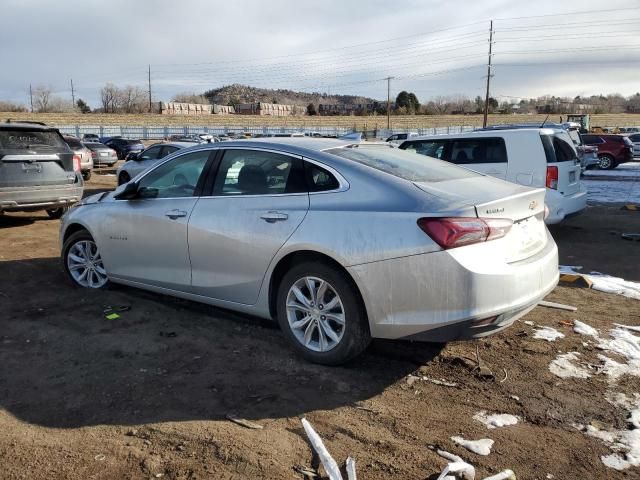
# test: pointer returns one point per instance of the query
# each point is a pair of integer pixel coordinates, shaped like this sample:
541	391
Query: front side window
174	179
430	148
256	172
478	150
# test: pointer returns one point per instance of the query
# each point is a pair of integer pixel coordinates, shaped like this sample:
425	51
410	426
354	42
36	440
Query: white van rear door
565	158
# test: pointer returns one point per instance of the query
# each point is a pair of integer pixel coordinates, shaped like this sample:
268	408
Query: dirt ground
147	395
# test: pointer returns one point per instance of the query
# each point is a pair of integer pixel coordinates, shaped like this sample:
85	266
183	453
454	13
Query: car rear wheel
607	162
55	213
82	261
123	178
86	175
320	312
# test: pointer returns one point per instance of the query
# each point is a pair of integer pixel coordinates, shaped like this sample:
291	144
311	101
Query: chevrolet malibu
338	242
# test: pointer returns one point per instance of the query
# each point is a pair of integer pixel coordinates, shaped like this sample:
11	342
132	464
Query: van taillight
552	177
77	159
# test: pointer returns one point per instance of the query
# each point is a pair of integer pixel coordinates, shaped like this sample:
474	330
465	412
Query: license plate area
526	238
31	167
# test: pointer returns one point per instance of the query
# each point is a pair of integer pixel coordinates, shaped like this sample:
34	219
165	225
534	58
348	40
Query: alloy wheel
315	314
85	264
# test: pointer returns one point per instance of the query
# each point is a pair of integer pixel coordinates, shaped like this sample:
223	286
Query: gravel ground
147	395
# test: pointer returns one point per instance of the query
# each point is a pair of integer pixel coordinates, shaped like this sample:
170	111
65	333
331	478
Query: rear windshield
403	164
73	143
26	139
575	136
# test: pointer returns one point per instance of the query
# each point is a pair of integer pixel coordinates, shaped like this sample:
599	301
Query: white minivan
535	157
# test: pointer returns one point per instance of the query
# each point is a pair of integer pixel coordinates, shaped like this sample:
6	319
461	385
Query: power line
582	12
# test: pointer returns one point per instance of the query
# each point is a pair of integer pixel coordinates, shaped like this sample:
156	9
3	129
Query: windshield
22	139
73	143
403	163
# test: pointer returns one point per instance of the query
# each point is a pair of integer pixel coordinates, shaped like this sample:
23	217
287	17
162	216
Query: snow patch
622	342
481	447
606	283
496	420
547	333
563	366
584	329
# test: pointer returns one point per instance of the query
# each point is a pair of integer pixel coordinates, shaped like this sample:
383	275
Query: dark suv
37	170
124	147
612	149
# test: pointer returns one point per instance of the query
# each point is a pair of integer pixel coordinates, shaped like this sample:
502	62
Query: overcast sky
340	46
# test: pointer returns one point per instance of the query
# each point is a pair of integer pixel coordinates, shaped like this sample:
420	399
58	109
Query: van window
430	148
564	151
478	150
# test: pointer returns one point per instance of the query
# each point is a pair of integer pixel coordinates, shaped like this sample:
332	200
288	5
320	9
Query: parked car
612	149
587	154
635	140
123	146
138	162
101	154
339	242
194	138
398	138
86	160
535	157
38	170
90	137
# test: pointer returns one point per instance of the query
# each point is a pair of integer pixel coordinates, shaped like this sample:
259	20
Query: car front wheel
55	213
82	261
320	312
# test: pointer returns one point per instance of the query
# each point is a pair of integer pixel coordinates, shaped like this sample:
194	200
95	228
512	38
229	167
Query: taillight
93	154
452	232
77	160
552	177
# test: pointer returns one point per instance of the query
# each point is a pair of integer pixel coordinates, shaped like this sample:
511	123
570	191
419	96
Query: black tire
123	178
607	162
56	213
68	243
86	175
356	336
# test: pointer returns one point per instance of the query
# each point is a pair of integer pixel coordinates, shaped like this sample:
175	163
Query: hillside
233	94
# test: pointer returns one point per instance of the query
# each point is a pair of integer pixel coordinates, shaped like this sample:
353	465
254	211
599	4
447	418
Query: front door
259	198
145	239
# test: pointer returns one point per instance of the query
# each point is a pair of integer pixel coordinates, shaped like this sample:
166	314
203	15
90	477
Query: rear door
258	199
34	159
565	158
486	155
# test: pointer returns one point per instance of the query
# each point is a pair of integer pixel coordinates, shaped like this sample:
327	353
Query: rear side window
430	148
25	139
478	150
557	150
592	139
319	179
634	138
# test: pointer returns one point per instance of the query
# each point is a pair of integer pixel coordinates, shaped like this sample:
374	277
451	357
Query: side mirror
126	191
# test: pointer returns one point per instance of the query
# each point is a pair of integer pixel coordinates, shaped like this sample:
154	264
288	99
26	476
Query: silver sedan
339	242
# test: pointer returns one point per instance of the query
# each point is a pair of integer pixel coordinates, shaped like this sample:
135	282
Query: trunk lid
494	198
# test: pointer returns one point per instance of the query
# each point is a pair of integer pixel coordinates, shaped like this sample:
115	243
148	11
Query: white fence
160	132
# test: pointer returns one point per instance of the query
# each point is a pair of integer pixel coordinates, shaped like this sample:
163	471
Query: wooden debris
559	306
329	464
244	423
351	469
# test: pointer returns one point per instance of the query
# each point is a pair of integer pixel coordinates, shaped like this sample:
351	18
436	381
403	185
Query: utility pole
31	97
486	98
73	96
388	79
150	109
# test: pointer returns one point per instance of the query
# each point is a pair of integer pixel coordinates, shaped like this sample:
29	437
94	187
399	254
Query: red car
612	149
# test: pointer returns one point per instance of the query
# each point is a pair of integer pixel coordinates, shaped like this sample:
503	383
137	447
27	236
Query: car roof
177	144
488	133
9	125
308	143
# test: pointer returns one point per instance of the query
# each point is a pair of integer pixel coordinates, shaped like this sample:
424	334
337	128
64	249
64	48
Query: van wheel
320	312
607	162
56	213
86	175
123	178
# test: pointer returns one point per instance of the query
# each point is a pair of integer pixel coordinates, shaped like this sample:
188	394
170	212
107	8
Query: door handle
273	217
173	214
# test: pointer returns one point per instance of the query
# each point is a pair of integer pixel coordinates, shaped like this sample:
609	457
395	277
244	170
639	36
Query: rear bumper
441	296
562	206
39	198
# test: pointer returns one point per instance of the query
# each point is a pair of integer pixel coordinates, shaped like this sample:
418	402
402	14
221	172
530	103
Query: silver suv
38	170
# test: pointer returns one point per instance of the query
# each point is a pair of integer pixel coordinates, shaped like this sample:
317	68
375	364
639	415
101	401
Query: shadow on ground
63	364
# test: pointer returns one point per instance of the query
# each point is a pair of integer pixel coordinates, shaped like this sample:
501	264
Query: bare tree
42	98
131	99
109	98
